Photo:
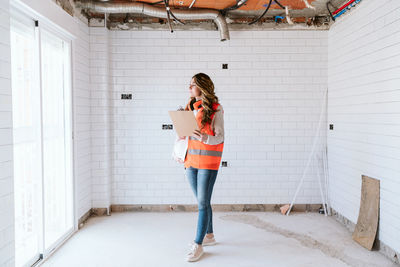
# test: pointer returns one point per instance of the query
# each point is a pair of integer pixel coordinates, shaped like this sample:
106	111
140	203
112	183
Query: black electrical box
126	96
167	126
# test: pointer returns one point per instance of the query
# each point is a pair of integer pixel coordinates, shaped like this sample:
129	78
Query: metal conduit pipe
159	12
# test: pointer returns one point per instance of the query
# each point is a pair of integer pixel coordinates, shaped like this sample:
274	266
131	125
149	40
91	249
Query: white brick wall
271	94
6	140
364	106
82	134
100	117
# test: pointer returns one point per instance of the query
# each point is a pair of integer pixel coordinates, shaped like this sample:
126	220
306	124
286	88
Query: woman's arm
218	128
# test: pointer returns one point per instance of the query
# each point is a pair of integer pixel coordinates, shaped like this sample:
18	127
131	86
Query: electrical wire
166	2
266	10
279	4
172	14
327	7
169	13
262	15
155	3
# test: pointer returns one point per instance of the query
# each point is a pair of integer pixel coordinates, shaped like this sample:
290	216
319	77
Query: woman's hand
178	160
200	136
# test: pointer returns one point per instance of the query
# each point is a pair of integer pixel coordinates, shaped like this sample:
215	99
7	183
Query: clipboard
184	122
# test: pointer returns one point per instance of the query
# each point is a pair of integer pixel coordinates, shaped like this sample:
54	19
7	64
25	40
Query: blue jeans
202	183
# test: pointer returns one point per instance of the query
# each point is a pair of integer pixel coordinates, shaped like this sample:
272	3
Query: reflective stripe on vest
205	152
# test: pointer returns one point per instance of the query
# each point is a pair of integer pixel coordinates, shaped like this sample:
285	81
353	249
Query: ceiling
250	10
221	4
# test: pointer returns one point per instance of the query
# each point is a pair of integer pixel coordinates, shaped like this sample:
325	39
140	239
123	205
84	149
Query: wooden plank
367	222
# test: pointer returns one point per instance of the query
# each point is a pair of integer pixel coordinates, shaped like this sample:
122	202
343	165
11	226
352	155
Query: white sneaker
208	241
196	251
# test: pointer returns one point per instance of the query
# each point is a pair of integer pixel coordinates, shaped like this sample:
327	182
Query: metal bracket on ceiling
192	3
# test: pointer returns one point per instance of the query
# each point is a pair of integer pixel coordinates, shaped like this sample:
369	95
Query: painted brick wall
271	93
364	106
82	134
6	140
100	117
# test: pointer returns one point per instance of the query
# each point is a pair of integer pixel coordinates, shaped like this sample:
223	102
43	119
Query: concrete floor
146	239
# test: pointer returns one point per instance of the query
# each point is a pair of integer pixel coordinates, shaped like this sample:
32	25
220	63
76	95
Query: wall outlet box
167	126
126	96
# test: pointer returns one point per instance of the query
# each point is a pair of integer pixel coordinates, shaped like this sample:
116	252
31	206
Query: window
42	127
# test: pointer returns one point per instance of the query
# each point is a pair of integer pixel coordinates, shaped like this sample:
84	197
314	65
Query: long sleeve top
217	124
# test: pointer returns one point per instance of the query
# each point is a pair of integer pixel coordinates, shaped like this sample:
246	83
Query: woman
203	156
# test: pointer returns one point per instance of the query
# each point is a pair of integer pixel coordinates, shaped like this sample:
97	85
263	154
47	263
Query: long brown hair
208	97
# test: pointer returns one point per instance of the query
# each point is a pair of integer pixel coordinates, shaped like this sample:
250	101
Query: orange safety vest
200	155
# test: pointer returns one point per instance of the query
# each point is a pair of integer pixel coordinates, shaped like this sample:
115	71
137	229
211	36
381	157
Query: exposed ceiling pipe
159	12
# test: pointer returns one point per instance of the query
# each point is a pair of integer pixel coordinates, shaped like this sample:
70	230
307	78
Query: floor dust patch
303	239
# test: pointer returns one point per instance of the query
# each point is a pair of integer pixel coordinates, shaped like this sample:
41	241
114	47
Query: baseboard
192	208
100	211
378	245
84	218
215	207
92	212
